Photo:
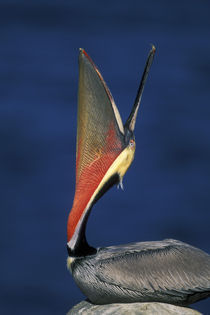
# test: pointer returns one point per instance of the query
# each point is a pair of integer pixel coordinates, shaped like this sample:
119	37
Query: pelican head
105	147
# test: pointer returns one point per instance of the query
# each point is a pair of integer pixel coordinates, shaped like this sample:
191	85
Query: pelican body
166	271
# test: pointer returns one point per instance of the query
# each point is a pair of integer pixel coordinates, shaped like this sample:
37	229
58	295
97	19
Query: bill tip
82	51
153	48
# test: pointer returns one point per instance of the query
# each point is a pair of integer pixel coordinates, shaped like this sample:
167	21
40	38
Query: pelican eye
131	143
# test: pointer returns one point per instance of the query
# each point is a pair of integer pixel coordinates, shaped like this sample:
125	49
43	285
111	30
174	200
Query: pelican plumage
167	271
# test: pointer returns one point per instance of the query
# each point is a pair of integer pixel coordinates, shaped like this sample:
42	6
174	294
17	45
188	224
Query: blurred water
166	189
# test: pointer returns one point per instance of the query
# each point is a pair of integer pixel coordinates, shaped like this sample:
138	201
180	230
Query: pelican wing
152	270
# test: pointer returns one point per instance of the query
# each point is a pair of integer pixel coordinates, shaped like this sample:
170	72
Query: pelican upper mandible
167	271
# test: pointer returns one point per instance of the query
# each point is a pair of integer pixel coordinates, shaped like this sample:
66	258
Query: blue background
166	192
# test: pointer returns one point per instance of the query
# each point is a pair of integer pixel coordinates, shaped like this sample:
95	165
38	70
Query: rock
87	308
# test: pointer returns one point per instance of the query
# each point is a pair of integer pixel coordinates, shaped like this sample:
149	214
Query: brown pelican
167	271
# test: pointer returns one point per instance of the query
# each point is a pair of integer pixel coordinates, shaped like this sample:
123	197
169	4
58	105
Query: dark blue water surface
167	188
